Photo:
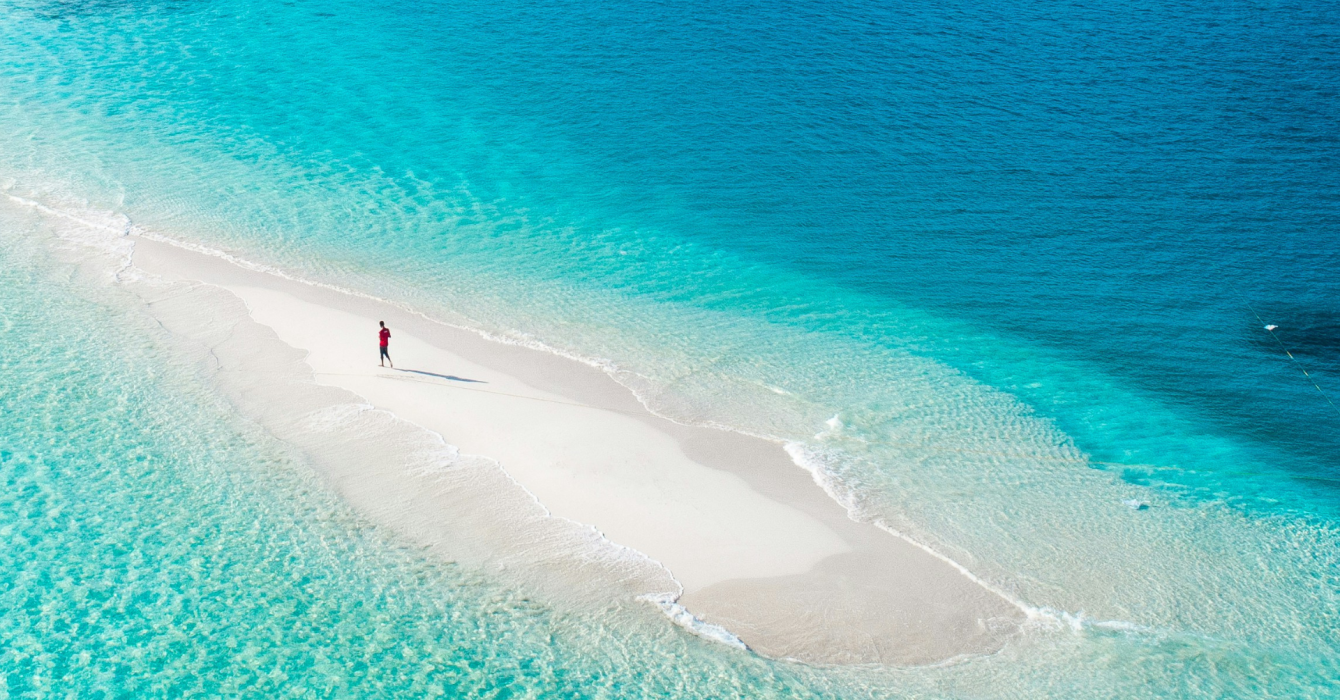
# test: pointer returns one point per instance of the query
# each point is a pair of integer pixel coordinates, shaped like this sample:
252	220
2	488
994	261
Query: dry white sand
755	544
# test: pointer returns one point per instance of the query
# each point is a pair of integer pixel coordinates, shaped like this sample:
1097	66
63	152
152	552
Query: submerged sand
520	458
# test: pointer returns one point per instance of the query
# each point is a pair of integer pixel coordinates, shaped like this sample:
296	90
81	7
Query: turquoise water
994	270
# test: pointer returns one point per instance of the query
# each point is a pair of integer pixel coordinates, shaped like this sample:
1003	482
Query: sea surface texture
1053	289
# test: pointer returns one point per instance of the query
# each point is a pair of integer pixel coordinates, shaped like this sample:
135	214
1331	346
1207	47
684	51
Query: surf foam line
109	244
1038	616
681	616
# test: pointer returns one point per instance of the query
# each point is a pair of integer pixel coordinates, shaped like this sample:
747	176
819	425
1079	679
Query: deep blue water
1129	186
988	239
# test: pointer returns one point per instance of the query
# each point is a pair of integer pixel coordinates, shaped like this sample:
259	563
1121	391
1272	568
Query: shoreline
562	462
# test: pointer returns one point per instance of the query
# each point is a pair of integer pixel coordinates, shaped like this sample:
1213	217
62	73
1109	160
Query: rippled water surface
1000	272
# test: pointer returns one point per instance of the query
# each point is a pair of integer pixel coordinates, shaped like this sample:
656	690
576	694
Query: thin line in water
1270	328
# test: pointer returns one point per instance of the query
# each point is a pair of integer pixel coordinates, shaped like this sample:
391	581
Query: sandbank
549	459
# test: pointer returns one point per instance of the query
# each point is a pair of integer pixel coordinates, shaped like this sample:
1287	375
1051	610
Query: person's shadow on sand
452	377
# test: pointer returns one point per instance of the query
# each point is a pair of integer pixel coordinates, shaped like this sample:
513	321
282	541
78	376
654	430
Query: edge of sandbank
922	575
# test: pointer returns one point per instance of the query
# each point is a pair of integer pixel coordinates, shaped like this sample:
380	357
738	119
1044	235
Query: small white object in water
1136	504
1271	327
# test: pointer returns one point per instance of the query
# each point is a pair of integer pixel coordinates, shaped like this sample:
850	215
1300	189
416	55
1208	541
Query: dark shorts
384	353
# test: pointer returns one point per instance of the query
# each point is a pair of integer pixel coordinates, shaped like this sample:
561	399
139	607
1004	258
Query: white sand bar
756	545
587	464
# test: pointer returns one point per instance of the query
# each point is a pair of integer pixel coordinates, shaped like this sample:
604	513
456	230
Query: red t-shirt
385	335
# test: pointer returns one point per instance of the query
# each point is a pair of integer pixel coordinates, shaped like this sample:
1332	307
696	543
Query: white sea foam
834	426
681	616
1037	617
810	461
106	232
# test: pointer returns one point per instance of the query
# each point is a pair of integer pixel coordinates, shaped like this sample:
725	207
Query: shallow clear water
994	270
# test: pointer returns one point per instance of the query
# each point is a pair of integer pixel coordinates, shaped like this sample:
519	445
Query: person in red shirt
385	335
